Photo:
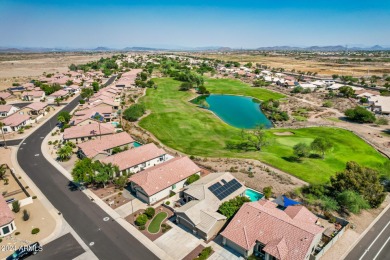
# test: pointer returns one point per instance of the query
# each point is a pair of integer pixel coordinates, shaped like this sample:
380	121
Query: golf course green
195	131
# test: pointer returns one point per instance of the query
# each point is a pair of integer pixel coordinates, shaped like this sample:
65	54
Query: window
173	186
6	230
161	158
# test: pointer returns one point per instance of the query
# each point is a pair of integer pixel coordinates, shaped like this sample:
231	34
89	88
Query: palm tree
2	132
65	152
57	100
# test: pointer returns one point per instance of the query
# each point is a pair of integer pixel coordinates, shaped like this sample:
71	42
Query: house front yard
185	127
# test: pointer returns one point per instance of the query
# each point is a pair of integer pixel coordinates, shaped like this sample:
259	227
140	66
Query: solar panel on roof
222	191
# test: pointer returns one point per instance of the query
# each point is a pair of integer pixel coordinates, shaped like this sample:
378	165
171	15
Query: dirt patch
283	133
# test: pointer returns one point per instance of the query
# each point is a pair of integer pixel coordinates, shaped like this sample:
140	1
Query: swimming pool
136	144
253	195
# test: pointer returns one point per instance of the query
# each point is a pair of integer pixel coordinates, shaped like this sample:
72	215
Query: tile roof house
101	148
199	214
88	132
7	224
85	116
14	122
33	95
138	159
7	110
58	94
5	95
158	182
262	229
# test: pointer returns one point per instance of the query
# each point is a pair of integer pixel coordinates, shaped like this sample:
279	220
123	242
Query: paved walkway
177	242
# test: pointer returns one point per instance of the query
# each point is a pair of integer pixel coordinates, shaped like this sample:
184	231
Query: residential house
138	159
36	110
33	95
5	95
58	94
72	88
380	104
158	182
102	147
7	110
16	90
7	218
262	229
88	132
91	115
15	122
203	199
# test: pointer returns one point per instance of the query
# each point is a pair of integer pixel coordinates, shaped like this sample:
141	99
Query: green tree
301	150
257	137
141	220
335	76
69	82
193	178
64	117
102	178
134	112
352	201
347	91
230	207
321	145
120	182
83	171
3	171
267	192
65	152
363	180
149	212
328	203
95	86
360	115
185	86
57	100
86	93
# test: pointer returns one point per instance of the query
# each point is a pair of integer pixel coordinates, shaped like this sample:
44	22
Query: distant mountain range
324	48
209	48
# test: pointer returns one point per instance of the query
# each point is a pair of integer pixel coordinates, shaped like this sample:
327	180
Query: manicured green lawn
155	224
236	87
183	126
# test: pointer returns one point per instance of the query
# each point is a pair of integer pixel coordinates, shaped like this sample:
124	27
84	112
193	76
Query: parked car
25	251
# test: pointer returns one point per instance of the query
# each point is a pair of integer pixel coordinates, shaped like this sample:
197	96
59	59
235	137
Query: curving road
110	240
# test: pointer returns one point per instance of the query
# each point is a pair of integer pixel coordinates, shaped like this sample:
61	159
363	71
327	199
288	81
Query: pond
237	111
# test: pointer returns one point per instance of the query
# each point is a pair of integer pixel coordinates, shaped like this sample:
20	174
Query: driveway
177	242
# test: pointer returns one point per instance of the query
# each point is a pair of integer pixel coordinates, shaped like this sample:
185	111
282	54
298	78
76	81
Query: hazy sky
238	23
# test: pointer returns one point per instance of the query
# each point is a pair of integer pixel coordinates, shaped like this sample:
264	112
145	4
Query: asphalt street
376	243
107	239
65	247
11	142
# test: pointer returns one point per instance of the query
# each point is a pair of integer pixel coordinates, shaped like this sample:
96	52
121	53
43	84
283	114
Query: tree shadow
315	156
292	159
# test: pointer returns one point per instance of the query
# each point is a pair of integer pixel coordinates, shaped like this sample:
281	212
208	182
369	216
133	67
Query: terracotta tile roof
15	119
59	93
88	130
164	175
6	215
81	115
5	95
94	147
34	93
133	157
5	108
286	235
37	106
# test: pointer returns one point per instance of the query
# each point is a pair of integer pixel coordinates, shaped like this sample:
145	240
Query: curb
366	231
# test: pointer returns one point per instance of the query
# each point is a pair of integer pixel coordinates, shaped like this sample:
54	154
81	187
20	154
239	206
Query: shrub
360	115
352	201
229	208
167	202
134	112
382	121
82	101
1	240
142	227
172	193
16	206
17	233
205	253
34	197
327	104
267	192
26	215
327	215
141	220
192	178
149	212
35	231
